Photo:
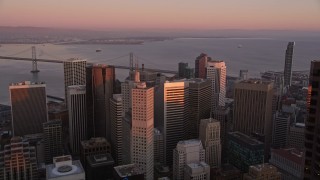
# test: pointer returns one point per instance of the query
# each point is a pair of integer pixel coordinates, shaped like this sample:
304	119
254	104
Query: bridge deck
61	61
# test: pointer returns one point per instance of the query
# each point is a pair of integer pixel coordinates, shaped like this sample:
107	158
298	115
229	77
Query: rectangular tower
312	134
186	152
52	131
253	109
74	74
142	128
77	116
216	71
116	115
288	64
199	101
176	115
100	82
200	66
209	134
28	107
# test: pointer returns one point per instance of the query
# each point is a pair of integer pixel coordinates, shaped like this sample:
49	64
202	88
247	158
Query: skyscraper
199	101
100	81
200	66
280	130
116	115
77	116
74	74
288	64
142	128
182	68
52	131
217	72
253	109
18	160
186	152
28	107
176	114
312	134
209	134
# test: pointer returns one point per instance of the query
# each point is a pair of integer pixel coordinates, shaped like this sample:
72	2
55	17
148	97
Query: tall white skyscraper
74	73
186	153
142	128
77	116
209	134
217	72
176	114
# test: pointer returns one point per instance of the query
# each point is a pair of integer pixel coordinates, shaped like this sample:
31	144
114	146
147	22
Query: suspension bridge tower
34	61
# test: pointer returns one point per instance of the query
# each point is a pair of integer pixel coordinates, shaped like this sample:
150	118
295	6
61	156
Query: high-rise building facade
116	115
312	134
186	152
52	131
176	114
244	151
253	109
182	68
158	146
296	136
216	71
28	107
77	116
209	134
142	128
199	101
280	132
200	66
74	74
18	161
288	64
100	80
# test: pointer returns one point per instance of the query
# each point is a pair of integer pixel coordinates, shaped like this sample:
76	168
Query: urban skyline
215	95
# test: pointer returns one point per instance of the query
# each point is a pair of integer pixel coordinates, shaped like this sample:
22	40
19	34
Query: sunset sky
163	14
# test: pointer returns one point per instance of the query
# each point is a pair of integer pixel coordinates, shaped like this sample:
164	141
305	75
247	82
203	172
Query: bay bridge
35	61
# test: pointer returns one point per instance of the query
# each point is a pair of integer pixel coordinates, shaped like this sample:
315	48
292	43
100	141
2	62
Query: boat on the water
98	50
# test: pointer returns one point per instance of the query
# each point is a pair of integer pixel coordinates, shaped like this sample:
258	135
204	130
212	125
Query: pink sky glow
165	14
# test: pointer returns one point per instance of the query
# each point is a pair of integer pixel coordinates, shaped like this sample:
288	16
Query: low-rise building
63	168
262	172
290	162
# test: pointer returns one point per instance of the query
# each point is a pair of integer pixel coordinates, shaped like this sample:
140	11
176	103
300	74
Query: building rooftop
100	160
63	166
75	60
263	167
291	154
189	142
56	107
93	142
245	139
128	170
300	125
27	83
255	81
